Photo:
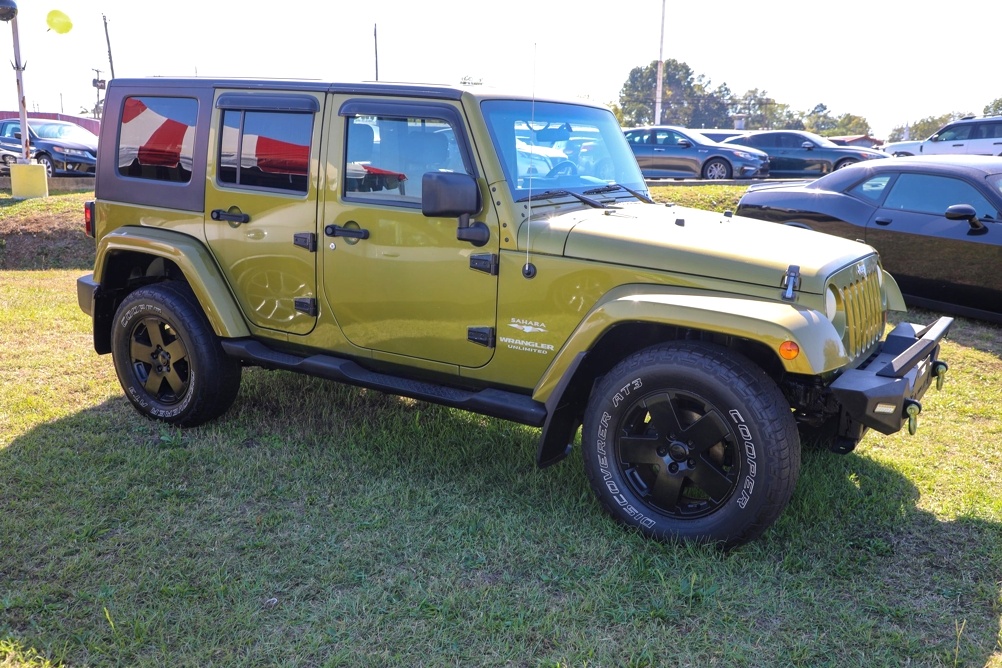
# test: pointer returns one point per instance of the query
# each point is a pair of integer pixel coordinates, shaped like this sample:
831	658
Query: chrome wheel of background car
845	163
44	159
716	169
9	160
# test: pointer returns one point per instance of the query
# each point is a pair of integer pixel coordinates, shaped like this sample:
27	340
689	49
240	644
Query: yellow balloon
58	21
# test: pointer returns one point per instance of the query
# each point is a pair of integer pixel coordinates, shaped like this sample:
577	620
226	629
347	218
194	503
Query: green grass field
322	525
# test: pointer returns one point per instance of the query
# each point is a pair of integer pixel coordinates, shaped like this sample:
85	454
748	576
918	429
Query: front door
261	205
396	281
931	256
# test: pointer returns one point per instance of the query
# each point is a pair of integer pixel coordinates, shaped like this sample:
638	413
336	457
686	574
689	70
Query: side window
871	190
157	137
792	141
991	130
265	149
638	136
666	138
934	194
386	158
956	132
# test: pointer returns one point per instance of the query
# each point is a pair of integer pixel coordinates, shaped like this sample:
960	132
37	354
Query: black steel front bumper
884	393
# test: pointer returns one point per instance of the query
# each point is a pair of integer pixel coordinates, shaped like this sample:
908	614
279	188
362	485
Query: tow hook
939	371
912	410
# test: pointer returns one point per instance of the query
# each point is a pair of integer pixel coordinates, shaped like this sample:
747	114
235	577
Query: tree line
690	100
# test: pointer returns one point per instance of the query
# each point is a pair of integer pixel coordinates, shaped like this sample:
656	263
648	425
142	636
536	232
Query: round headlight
835	308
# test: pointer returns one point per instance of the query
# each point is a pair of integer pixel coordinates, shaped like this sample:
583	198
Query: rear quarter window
157	138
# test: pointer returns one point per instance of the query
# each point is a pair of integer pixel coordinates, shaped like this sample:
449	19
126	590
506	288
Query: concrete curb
57	184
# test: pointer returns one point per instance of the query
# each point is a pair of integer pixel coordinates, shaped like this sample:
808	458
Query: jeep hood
692	242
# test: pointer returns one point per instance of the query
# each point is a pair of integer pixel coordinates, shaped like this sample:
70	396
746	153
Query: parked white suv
974	136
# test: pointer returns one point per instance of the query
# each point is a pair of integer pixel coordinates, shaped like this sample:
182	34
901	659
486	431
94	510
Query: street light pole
8	12
661	69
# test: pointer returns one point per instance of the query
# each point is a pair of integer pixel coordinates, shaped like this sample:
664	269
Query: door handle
882	221
219	214
351	232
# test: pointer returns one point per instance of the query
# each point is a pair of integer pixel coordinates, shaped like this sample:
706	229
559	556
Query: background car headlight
742	155
69	151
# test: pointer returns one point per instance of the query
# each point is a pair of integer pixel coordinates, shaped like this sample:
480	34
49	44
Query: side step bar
495	403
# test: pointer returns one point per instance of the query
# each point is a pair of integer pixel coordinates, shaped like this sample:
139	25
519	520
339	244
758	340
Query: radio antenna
529	269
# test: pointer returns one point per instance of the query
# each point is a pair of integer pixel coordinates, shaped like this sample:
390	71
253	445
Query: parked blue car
59	145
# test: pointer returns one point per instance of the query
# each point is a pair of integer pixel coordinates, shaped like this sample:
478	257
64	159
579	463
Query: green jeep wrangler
494	253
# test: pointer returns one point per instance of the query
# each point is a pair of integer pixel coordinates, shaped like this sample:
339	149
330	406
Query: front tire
716	169
169	360
44	159
845	163
690	441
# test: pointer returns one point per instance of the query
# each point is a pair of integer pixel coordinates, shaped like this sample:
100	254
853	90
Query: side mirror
684	143
968	213
808	145
454	195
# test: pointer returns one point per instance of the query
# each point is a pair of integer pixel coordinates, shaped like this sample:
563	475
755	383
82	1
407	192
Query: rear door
261	204
987	139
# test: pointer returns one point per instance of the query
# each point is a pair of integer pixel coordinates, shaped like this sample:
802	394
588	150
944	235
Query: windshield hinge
791	282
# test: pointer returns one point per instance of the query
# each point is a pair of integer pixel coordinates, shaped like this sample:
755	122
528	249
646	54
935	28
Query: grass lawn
322	525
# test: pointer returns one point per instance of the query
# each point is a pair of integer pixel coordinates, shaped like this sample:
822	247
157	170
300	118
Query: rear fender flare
194	261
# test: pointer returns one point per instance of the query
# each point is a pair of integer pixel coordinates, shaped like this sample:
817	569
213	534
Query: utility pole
108	40
375	41
661	69
99	85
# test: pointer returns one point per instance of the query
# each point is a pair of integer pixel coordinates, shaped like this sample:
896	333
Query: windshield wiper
616	186
549	194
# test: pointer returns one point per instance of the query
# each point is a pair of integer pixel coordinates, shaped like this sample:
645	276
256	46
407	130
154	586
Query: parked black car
799	153
936	222
671	152
59	145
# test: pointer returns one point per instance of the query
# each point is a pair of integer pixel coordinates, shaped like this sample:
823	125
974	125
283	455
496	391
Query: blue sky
868	58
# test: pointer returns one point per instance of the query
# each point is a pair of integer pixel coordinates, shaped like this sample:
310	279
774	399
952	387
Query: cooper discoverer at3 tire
691	441
169	360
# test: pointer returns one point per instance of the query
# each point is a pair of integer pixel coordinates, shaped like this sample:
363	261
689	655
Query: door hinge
485	262
307	305
482	336
307	240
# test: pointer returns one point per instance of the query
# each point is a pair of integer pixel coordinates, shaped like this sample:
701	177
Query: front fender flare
768	322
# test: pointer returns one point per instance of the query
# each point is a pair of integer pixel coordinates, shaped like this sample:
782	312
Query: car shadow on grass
321	524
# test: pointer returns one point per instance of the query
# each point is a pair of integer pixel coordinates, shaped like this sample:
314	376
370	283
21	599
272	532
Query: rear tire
691	441
168	358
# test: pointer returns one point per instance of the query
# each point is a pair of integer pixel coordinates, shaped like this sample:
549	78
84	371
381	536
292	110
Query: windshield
995	181
64	131
819	140
698	137
548	145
